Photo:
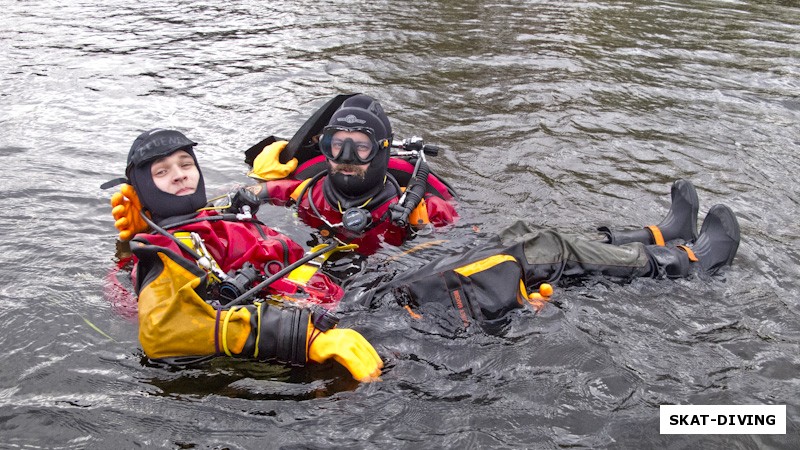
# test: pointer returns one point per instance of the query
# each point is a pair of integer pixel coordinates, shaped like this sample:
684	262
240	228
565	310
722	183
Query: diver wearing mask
353	196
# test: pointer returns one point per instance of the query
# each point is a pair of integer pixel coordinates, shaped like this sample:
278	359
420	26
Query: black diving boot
718	241
669	262
714	248
680	222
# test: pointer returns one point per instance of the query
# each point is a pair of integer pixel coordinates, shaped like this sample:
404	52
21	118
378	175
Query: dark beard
359	171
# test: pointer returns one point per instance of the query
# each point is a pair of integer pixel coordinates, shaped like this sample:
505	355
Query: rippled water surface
566	114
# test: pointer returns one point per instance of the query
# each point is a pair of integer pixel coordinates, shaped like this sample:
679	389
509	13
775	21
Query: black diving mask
349	150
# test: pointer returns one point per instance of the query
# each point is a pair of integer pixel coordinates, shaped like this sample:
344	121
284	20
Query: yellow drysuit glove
125	206
348	348
267	165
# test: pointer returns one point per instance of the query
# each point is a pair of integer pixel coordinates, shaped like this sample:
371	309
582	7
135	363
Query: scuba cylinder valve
412	145
244	204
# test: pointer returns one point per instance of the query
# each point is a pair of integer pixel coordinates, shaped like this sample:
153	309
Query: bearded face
354	170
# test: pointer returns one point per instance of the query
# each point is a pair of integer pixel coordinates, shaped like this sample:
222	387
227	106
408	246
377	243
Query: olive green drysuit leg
548	256
482	285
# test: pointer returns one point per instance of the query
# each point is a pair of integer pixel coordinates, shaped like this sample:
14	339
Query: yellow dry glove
267	166
125	206
348	348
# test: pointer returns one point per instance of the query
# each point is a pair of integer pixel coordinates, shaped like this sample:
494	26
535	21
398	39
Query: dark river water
566	114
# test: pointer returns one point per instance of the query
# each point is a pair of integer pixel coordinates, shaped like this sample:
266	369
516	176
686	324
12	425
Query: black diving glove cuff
280	334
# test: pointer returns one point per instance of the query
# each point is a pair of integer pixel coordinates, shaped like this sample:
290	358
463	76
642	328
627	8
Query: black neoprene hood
149	147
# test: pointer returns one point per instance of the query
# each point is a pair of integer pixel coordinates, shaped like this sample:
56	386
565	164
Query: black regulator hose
280	274
264	284
166	233
413	194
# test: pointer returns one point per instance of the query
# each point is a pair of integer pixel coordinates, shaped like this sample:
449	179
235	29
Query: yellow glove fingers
360	358
117	199
139	224
119	212
122	224
125	230
360	371
126	207
273	151
128	191
290	166
267	165
349	349
370	353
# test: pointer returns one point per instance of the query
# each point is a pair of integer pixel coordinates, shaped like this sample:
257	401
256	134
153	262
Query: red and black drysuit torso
438	206
178	315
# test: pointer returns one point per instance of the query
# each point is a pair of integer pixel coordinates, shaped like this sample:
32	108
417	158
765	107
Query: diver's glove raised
347	347
125	206
267	165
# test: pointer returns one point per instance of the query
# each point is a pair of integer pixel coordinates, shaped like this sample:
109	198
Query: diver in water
354	193
195	272
519	265
352	197
355	147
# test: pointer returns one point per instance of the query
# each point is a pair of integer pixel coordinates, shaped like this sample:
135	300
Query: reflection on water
569	114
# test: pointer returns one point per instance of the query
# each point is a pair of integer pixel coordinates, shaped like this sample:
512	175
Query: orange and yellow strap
692	256
228	315
657	236
412	313
302	274
483	264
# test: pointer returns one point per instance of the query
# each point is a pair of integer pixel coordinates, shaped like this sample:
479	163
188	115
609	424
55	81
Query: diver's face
176	174
362	145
